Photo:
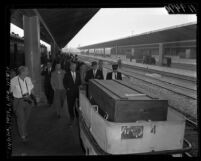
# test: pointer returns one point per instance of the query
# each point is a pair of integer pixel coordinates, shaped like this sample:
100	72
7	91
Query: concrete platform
48	135
182	72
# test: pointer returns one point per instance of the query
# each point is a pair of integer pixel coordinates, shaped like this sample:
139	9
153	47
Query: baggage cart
102	137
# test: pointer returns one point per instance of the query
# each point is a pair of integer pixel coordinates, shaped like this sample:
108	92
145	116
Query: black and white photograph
86	81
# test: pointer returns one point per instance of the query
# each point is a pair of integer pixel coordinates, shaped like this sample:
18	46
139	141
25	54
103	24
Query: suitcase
123	104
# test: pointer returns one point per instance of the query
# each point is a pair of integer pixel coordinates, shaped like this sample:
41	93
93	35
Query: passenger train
17	57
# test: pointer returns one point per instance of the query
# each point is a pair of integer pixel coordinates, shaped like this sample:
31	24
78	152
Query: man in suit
94	73
49	92
114	74
71	83
100	66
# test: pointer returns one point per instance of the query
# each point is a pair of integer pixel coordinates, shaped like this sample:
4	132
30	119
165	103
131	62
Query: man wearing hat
94	73
114	74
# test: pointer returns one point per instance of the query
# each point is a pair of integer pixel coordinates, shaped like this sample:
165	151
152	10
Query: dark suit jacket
47	77
71	87
109	76
90	75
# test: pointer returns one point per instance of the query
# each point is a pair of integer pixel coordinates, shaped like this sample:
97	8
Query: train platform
47	134
181	72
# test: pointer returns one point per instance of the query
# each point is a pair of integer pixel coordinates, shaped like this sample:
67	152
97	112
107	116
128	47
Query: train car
101	136
17	57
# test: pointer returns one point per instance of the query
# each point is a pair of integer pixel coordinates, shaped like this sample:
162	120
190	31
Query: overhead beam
44	24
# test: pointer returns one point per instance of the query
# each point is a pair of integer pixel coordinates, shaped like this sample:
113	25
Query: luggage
123	104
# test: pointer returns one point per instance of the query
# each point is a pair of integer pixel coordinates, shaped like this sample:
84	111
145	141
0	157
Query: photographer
21	87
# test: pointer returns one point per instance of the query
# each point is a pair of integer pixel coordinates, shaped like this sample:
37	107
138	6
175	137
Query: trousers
59	98
22	110
49	92
71	100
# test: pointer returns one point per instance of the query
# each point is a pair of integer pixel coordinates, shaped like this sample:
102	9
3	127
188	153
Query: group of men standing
97	72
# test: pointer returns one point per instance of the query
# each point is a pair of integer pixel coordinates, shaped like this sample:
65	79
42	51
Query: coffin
132	137
121	103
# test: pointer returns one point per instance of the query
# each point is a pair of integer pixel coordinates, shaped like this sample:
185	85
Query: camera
27	98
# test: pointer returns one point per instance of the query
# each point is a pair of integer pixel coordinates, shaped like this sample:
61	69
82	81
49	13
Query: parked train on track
17	57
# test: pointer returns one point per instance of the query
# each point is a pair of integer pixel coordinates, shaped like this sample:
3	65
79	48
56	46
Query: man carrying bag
21	87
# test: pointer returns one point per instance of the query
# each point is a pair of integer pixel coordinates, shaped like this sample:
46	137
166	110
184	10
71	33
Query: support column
188	53
132	52
31	27
104	51
116	50
161	54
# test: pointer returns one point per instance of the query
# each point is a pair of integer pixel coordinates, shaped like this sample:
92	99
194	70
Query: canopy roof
57	25
172	34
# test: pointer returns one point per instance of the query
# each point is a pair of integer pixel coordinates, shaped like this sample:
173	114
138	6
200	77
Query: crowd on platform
63	76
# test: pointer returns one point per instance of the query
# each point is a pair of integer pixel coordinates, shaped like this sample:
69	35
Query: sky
115	23
110	24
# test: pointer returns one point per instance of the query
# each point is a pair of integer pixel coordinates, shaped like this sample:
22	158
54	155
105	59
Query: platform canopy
57	25
172	34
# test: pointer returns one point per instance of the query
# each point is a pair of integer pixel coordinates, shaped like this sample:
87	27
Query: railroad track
184	91
167	80
186	78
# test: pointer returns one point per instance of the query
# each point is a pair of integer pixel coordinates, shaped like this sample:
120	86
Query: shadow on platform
48	135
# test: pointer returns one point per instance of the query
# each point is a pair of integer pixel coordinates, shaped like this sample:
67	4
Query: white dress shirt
49	70
113	75
15	87
94	72
73	75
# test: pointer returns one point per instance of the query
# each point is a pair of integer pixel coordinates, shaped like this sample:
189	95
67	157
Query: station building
177	43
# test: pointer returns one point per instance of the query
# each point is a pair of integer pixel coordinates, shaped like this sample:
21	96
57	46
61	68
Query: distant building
177	43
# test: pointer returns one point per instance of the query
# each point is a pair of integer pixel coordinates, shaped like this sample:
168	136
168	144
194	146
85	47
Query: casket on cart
132	137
